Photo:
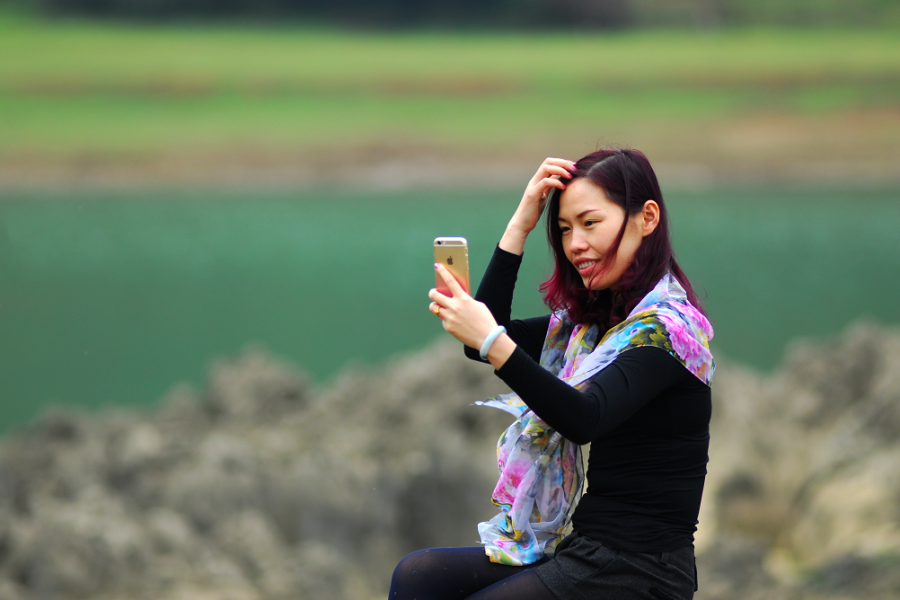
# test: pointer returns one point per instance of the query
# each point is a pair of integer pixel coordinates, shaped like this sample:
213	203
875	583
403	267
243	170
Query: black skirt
584	569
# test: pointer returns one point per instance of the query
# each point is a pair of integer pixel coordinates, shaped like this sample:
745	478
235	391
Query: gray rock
260	486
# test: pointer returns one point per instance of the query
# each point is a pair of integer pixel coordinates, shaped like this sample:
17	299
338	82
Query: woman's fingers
551	168
558	171
461	316
554	182
455	288
551	173
539	189
440	301
545	186
554	173
560	162
565	163
557	166
439	298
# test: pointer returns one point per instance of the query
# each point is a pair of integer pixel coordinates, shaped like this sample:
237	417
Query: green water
112	298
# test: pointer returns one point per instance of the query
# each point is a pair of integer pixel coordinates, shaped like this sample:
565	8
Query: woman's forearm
498	284
632	380
513	241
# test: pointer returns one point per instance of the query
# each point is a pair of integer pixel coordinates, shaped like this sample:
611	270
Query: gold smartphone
453	253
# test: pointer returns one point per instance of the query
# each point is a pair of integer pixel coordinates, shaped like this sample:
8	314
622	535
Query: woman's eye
589	223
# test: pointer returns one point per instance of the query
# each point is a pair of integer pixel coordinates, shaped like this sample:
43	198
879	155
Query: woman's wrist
513	240
500	351
489	339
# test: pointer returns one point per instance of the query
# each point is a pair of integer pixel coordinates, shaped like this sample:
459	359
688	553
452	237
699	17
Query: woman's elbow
579	438
580	434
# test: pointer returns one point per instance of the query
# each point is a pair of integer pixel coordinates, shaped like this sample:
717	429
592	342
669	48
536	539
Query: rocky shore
261	486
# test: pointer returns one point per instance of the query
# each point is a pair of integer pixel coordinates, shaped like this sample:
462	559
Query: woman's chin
594	286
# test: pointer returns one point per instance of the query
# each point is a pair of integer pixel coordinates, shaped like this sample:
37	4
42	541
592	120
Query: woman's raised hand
549	175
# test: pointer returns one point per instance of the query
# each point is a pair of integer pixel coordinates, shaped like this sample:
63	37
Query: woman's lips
586	268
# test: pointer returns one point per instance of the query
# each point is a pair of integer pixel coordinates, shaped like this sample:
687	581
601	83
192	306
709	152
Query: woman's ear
649	217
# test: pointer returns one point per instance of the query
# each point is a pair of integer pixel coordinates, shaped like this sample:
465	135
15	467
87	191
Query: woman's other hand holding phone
468	320
549	175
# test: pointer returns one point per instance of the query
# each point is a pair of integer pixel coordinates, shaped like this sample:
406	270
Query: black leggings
464	573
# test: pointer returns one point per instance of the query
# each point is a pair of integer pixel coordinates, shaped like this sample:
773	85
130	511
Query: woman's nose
578	241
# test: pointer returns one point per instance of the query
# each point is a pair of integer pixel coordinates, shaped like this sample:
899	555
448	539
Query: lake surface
112	298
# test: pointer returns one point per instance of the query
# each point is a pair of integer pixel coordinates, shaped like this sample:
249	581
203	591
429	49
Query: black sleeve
617	392
496	291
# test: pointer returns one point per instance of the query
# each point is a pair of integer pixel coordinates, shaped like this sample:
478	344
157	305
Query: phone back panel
453	253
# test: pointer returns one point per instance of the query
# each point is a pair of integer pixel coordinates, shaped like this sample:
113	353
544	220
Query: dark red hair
628	180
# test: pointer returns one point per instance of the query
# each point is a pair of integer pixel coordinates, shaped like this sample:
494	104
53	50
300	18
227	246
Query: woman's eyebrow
579	215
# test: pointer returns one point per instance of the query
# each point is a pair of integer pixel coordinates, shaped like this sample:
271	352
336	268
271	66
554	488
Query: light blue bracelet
489	341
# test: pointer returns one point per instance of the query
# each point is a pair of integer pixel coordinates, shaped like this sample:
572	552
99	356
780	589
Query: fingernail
435	265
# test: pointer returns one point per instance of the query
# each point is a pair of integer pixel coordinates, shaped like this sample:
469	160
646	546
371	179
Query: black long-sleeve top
646	418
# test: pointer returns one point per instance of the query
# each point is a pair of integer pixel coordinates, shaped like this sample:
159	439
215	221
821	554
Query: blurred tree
367	13
529	14
765	12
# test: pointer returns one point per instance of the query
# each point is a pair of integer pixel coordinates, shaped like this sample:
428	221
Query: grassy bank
77	92
85	56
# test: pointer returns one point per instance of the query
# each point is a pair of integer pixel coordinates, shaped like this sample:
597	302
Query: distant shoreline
397	173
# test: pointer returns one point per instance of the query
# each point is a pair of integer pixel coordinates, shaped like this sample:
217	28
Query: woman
623	363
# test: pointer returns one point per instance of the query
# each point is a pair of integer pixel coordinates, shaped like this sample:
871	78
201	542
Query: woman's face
590	223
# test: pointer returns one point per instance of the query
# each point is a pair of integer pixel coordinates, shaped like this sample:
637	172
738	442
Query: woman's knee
413	564
440	563
418	562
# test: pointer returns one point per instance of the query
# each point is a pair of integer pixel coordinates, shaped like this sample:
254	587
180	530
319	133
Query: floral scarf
541	472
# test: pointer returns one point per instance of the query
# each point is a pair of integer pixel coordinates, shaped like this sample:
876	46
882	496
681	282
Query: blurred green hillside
507	14
156	102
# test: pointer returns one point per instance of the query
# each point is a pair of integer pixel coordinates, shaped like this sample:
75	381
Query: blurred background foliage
103	100
580	14
159	162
